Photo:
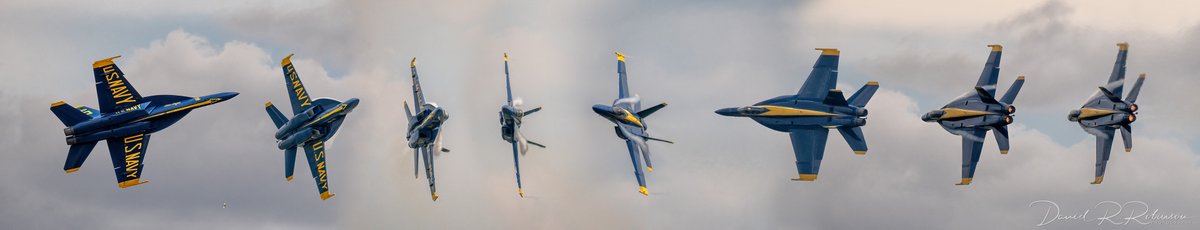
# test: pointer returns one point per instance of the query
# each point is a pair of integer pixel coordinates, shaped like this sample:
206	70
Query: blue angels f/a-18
313	123
424	130
510	126
125	121
808	115
627	114
1105	112
974	113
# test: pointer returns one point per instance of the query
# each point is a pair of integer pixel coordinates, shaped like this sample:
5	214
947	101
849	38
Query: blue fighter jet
974	113
424	130
312	124
627	114
1105	112
808	115
510	126
125	120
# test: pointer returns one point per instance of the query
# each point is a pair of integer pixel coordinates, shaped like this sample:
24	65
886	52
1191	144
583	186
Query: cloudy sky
722	173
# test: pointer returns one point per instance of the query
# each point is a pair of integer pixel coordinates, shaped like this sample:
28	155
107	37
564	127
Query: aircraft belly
786	124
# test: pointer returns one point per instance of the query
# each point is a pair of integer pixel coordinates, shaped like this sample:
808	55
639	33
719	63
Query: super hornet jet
125	120
1105	112
808	115
974	113
510	126
424	130
312	124
627	113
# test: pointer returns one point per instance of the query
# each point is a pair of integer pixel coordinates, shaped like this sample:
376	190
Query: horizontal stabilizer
1127	137
1001	138
854	137
67	114
276	116
76	156
646	112
534	110
656	139
864	94
289	162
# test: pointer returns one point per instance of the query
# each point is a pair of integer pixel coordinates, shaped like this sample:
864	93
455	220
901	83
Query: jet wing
315	152
822	78
128	154
637	166
808	143
972	145
297	94
418	96
112	89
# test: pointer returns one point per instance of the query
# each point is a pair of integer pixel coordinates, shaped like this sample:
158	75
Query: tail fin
854	137
646	112
622	80
1137	87
531	111
67	114
1011	95
76	156
1001	138
276	116
860	98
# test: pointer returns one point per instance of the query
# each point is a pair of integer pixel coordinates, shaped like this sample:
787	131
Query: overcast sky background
722	173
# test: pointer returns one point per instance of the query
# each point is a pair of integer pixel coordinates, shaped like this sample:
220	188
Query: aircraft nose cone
727	111
603	110
226	95
353	102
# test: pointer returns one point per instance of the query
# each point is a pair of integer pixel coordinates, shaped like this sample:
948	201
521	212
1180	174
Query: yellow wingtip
642	189
830	51
1143	75
131	183
872	83
620	57
1123	46
289	178
1098	180
649	169
326	195
965	181
806	177
1021	78
520	192
996	47
56	104
104	62
1003	151
1128	149
72	170
268	104
413	63
434	195
505	56
860	152
287	60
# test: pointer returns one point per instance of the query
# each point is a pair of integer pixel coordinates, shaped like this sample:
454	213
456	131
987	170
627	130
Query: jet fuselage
429	123
157	113
788	112
314	123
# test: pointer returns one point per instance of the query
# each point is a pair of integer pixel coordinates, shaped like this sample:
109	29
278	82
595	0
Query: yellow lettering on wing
109	73
133	155
116	86
320	158
296	86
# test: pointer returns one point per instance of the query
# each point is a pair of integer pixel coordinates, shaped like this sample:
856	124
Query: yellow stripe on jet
130	183
829	51
620	57
785	111
957	113
1090	112
330	113
203	103
630	118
